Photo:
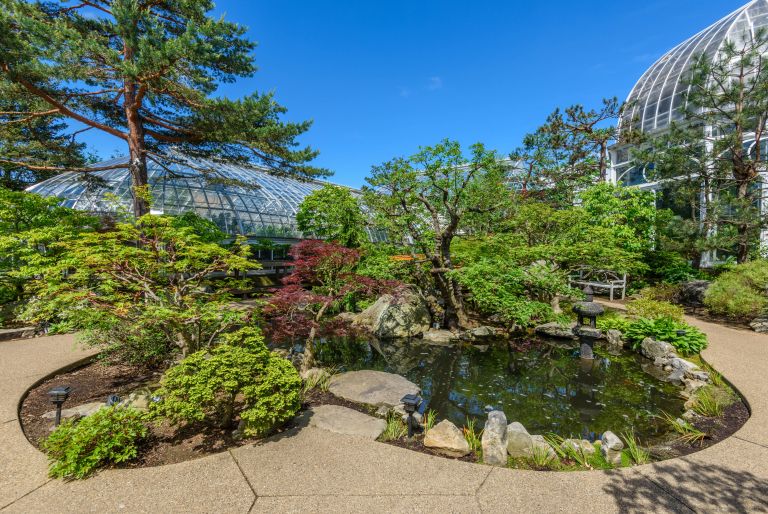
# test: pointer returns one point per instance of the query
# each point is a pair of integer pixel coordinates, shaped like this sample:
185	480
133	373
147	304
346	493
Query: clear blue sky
380	79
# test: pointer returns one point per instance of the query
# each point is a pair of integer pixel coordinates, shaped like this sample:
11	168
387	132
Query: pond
540	383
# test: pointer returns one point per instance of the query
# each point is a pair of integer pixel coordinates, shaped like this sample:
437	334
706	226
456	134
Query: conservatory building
240	200
658	99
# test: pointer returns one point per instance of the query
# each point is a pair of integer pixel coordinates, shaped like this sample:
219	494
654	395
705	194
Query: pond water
543	385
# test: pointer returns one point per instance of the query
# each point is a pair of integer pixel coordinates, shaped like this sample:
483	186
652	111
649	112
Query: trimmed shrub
239	377
741	293
653	309
108	436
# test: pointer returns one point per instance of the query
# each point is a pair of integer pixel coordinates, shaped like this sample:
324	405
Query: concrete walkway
312	470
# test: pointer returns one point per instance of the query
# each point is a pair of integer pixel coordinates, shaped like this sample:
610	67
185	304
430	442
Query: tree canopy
147	73
332	213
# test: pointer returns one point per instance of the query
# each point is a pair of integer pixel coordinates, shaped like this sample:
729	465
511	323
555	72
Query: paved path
316	471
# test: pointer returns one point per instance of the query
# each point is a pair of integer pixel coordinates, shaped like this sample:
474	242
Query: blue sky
380	79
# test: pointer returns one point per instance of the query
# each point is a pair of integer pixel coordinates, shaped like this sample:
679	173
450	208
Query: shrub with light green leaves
654	309
111	435
239	377
740	293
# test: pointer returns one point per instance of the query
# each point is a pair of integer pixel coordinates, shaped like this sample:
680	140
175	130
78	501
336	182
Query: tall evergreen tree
147	73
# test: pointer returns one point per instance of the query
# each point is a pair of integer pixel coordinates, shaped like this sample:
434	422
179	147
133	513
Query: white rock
611	448
372	387
652	349
494	439
519	441
446	438
391	316
342	420
580	445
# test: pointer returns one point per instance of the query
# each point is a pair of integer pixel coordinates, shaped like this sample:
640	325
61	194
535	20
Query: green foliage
396	428
377	262
741	292
109	436
665	329
205	229
32	228
139	290
429	420
473	437
637	453
653	309
333	214
238	377
712	400
520	296
685	430
613	321
661	292
670	268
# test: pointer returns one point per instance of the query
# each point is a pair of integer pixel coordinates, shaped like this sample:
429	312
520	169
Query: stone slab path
313	470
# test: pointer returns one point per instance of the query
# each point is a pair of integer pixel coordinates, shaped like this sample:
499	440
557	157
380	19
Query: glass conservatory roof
658	97
261	205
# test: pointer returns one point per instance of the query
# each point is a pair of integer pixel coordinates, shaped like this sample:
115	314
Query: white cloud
434	84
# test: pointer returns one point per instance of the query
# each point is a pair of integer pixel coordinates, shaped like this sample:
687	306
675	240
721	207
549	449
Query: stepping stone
372	387
342	420
80	411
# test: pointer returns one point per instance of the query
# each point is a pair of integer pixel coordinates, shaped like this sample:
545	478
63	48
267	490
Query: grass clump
396	428
473	437
685	430
429	420
634	451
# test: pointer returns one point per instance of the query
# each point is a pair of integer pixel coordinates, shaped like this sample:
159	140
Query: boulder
77	412
343	420
652	349
8	334
580	445
494	439
519	441
692	385
401	315
138	400
369	387
682	364
555	329
611	448
614	339
481	332
446	438
691	294
439	337
676	376
760	325
697	374
540	445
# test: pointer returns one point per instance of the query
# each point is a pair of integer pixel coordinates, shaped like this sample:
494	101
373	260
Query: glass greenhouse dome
658	98
261	206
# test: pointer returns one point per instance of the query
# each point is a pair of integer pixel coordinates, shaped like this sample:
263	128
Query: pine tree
147	73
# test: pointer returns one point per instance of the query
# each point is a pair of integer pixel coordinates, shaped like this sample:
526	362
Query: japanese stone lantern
586	328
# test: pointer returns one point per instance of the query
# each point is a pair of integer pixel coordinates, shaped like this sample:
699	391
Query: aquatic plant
472	436
638	454
429	420
687	432
708	404
395	430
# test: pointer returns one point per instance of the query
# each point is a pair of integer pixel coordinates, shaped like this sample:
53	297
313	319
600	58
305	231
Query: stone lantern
586	328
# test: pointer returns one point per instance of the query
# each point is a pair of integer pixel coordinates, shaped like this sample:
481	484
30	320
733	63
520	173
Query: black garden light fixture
586	328
58	396
682	333
411	402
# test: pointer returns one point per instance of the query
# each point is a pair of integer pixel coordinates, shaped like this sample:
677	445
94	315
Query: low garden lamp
411	402
58	396
113	399
681	333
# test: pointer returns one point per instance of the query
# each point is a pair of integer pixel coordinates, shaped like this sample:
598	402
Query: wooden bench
605	280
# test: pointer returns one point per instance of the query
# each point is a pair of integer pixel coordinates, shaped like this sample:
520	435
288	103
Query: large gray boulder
653	349
579	445
494	439
760	325
691	294
404	314
370	387
542	447
342	420
446	438
555	329
519	441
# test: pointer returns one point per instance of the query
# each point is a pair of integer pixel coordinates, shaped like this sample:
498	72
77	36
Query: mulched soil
717	429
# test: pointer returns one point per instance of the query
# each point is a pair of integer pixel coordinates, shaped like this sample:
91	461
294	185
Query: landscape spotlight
681	333
58	396
411	402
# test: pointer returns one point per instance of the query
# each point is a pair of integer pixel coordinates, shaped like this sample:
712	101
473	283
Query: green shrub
238	377
661	292
108	436
693	341
741	292
613	321
653	309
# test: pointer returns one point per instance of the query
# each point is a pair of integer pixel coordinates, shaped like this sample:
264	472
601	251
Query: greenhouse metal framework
658	98
240	200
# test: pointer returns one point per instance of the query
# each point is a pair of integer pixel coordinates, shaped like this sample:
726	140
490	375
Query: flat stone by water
342	420
375	388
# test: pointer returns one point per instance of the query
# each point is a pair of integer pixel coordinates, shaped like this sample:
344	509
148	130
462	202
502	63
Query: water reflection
545	387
